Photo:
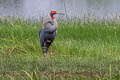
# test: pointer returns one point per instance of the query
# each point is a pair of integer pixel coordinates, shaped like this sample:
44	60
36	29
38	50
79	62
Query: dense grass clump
81	51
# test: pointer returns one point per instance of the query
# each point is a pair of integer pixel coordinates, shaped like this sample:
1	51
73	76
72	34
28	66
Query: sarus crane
47	34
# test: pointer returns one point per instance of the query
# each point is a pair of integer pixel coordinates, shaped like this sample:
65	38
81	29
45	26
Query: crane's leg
44	58
51	52
44	53
51	56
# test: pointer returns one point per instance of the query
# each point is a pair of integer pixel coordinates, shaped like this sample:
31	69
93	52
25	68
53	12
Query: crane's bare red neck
52	17
52	13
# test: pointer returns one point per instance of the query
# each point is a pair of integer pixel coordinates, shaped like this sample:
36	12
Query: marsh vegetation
89	51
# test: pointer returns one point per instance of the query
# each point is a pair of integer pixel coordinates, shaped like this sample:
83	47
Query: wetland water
36	8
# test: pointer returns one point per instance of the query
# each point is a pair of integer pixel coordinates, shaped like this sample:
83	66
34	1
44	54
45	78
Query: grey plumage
47	35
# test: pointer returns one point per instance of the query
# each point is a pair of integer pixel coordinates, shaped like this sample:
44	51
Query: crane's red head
52	12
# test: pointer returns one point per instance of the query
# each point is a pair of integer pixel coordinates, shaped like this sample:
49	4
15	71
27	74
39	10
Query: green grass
88	51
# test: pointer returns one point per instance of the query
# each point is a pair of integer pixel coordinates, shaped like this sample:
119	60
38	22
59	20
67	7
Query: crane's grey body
47	35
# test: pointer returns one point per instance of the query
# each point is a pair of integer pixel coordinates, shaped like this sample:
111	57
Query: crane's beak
60	13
